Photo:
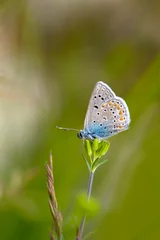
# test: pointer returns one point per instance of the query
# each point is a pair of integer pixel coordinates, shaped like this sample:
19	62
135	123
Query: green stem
90	183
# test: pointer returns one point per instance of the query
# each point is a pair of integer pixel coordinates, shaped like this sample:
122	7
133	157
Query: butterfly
107	114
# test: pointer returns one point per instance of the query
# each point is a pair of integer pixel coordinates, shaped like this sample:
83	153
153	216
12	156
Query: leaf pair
95	150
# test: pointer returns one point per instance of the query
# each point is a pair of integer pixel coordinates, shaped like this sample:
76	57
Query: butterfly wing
107	114
101	94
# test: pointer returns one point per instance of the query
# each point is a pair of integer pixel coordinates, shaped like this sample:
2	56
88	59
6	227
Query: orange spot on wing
110	103
115	104
121	119
119	108
120	112
104	104
120	127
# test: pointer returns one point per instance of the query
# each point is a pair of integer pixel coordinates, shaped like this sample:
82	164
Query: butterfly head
84	134
81	134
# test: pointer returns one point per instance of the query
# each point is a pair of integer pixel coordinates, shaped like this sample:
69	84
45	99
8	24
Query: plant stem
90	185
56	232
80	232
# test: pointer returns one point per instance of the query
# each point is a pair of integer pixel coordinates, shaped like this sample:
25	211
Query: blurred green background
51	55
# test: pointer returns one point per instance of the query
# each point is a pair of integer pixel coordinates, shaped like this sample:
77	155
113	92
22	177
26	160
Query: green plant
95	151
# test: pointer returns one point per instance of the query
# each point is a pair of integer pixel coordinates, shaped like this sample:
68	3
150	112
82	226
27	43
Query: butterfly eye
79	135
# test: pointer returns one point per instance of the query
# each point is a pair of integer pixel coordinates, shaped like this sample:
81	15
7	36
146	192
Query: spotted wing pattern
107	114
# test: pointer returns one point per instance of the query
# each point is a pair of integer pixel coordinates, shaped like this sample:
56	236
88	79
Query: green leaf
101	162
88	164
95	164
103	148
95	144
88	147
98	163
95	147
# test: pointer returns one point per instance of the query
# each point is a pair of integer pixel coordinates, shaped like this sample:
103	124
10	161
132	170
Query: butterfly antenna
67	129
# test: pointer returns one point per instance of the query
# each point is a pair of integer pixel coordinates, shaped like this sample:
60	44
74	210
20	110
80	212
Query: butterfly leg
94	136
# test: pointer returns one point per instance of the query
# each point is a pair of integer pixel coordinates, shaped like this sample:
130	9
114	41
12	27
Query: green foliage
98	162
95	150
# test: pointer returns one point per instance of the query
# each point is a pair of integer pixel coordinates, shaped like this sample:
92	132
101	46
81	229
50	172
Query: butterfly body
96	132
85	134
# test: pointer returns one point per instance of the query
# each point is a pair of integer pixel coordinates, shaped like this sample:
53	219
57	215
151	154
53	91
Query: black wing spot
94	121
99	95
95	97
98	113
105	110
113	112
100	124
114	121
111	132
105	127
111	109
96	106
104	118
102	99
